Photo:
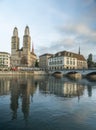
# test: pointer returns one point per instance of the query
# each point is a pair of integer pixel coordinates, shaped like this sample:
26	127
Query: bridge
67	71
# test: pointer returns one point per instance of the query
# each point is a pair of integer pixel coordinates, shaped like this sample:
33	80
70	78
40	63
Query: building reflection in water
23	89
4	86
27	89
61	88
89	88
14	98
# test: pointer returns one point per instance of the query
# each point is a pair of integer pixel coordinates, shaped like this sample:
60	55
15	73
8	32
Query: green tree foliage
90	61
36	64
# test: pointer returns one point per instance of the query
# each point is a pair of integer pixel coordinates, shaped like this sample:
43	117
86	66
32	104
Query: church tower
26	40
24	56
14	41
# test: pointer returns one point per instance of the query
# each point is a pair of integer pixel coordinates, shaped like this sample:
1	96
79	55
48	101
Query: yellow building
24	56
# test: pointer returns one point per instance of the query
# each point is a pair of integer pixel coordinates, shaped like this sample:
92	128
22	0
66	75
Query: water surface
47	103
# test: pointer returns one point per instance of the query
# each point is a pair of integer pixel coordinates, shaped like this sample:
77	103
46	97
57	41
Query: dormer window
59	54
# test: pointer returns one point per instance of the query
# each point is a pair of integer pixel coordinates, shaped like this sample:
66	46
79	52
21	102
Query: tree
36	64
90	61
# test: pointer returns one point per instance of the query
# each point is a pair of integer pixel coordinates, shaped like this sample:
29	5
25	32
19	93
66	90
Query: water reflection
61	88
4	87
14	98
22	91
89	88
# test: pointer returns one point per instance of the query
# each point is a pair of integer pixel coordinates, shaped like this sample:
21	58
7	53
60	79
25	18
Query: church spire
15	32
27	31
14	41
32	47
79	50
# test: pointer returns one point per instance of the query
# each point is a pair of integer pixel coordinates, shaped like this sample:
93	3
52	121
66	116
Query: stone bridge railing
81	71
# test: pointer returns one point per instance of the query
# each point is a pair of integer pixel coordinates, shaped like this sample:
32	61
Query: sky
55	25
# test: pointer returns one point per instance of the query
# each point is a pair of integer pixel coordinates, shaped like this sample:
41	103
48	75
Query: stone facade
24	56
43	61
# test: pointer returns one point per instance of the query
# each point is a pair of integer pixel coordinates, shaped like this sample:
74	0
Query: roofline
5	53
46	54
76	54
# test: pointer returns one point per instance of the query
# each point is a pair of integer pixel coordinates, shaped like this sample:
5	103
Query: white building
66	60
4	59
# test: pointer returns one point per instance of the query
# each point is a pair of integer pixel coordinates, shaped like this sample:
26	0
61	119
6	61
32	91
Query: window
67	61
61	62
73	62
59	54
14	45
70	62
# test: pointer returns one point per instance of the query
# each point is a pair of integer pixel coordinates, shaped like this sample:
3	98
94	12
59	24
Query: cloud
75	20
59	45
75	35
71	37
79	30
75	29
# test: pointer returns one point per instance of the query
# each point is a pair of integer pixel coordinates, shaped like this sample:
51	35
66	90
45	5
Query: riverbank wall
31	73
22	73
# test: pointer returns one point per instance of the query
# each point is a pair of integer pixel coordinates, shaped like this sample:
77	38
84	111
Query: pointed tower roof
27	32
15	32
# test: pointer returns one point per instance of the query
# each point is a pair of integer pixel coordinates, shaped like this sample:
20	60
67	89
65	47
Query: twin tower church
22	56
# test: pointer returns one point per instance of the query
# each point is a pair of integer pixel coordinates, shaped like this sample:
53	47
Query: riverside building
67	60
24	57
4	60
43	61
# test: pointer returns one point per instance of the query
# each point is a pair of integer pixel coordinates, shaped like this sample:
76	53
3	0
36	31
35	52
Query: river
47	103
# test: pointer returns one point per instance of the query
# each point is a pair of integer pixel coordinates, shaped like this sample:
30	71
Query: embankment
21	73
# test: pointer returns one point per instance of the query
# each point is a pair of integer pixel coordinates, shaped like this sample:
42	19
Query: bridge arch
74	75
71	72
91	73
58	74
91	76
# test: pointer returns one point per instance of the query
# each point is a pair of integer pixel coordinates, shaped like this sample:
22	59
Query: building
60	88
4	60
24	56
66	60
43	61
